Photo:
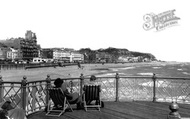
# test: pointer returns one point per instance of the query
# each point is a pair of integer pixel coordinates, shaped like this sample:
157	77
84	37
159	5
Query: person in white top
8	112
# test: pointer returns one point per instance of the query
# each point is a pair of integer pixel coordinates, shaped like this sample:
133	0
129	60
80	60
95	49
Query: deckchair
92	93
59	99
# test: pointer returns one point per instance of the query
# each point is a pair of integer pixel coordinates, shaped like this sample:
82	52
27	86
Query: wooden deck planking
121	110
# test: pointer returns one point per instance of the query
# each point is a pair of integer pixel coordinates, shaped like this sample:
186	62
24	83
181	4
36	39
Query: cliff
115	53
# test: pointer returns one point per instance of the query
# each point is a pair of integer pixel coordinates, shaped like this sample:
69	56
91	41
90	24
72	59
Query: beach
163	69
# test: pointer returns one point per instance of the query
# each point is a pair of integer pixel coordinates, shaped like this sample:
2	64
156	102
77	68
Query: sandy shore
71	71
62	72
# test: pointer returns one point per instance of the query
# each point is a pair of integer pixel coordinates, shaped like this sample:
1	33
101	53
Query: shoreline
97	69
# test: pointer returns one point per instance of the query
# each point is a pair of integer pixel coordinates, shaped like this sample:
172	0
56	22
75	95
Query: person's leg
102	104
98	102
76	99
80	104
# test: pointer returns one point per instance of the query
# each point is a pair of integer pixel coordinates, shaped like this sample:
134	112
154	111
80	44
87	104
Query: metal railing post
154	87
117	87
48	85
81	83
1	89
23	87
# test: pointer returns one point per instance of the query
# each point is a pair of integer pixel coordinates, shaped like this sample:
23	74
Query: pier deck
122	110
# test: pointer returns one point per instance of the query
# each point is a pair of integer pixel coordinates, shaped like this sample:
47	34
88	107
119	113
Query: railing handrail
174	78
148	77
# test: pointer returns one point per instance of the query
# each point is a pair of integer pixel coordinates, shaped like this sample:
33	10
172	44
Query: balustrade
33	96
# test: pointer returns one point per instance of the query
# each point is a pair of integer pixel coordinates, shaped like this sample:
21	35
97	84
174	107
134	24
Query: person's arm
64	87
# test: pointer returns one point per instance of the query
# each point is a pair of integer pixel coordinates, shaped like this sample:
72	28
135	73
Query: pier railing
33	96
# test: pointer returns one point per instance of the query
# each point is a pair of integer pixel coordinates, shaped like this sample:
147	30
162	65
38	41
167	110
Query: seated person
5	107
73	98
8	112
93	82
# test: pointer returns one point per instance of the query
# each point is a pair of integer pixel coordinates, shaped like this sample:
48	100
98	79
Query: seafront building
27	48
63	55
3	51
12	54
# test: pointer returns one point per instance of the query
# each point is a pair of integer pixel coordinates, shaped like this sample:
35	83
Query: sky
99	24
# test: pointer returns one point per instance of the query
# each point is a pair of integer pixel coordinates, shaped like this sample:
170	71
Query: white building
12	54
67	56
76	57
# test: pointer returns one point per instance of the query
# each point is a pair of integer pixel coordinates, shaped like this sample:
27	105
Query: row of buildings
26	49
62	55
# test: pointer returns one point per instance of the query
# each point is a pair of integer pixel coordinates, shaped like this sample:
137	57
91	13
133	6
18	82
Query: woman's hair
92	78
58	82
17	113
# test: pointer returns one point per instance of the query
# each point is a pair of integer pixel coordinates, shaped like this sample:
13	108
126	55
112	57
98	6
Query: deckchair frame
58	98
91	92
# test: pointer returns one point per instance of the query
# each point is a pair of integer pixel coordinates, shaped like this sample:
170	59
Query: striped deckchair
59	99
92	93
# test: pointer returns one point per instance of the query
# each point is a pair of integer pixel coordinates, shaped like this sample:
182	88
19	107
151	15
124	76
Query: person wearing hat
73	98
